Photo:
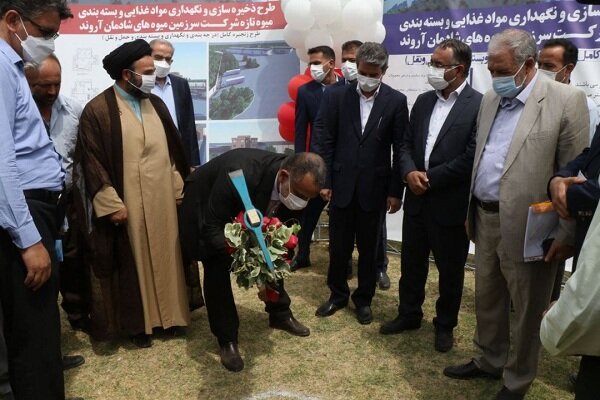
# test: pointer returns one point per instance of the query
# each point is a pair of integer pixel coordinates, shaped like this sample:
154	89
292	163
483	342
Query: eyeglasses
440	65
46	32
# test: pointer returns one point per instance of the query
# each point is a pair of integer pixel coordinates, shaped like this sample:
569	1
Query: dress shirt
438	117
64	124
571	326
27	156
366	105
166	94
594	118
133	101
491	165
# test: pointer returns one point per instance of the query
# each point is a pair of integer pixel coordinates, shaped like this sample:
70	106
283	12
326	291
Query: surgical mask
551	74
292	201
148	82
317	72
436	79
349	70
368	84
162	68
35	49
505	86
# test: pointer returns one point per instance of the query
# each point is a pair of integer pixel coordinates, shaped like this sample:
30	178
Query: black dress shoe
141	340
298	264
70	362
364	315
506	394
383	280
230	357
469	370
444	340
80	324
399	324
290	325
175	331
328	308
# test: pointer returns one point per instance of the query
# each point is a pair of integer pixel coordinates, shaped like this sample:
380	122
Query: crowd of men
109	205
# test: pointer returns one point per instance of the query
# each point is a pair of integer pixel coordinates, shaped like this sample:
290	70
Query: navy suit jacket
186	122
362	162
450	161
308	102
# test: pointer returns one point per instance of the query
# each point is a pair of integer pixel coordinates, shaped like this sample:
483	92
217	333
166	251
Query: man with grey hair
32	179
528	126
175	92
363	124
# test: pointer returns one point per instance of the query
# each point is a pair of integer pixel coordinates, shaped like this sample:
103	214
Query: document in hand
542	222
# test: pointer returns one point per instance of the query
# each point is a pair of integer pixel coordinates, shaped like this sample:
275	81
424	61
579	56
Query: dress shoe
469	370
230	357
383	280
80	324
506	394
290	325
364	315
328	308
175	331
298	264
141	340
70	362
399	324
444	340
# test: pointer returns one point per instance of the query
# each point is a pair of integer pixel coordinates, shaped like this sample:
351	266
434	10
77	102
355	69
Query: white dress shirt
438	117
166	94
491	165
64	124
366	105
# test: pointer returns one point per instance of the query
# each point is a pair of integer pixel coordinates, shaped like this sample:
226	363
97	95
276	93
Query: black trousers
381	259
220	305
450	245
588	379
344	225
31	318
310	219
5	390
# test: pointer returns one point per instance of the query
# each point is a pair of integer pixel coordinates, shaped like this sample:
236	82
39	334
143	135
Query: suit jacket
582	199
307	107
552	130
186	121
362	162
450	161
211	200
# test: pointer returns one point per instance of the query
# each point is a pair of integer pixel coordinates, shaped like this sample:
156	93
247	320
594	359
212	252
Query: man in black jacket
278	185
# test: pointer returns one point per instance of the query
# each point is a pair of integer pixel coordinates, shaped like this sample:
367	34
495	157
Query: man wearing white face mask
130	157
528	127
175	92
32	180
436	161
363	125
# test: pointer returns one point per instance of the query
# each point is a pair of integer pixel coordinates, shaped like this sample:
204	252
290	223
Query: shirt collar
124	94
59	103
167	82
10	53
521	97
455	93
362	96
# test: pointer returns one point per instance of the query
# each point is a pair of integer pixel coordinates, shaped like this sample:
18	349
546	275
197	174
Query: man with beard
133	166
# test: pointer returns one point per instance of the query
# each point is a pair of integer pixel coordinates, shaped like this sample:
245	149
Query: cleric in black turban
123	56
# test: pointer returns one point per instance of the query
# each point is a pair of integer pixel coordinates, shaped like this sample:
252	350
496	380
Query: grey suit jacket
553	129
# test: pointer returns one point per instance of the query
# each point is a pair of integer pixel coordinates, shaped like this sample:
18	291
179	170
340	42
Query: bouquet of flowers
249	263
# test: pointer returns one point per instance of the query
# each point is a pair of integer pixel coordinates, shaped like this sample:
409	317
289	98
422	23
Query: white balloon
377	8
293	37
356	14
284	3
341	37
325	11
298	15
301	53
375	32
318	37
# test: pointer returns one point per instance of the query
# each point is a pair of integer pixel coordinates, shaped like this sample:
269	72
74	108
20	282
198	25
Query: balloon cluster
312	23
287	111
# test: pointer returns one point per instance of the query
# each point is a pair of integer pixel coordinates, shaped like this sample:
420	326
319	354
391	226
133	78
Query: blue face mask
506	86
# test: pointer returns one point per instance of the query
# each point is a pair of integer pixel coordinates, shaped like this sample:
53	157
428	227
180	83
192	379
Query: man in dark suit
321	63
175	92
436	160
362	123
278	185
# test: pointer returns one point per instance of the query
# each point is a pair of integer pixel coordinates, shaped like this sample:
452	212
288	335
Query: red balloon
295	83
307	71
338	71
286	116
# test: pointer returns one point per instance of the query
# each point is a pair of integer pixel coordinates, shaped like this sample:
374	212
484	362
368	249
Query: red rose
240	219
266	223
292	242
275	221
228	248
